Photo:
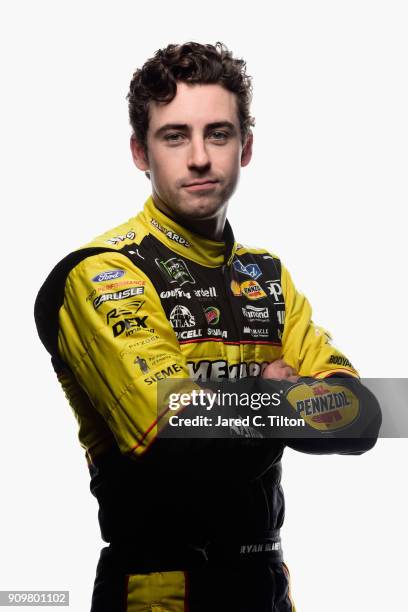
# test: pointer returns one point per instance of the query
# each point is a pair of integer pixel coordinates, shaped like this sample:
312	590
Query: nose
198	158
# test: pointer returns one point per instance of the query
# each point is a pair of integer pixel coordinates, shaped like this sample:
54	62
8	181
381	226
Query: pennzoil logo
324	407
252	290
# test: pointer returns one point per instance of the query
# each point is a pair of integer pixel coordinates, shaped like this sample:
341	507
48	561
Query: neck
211	227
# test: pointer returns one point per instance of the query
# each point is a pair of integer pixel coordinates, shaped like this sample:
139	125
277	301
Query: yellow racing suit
188	528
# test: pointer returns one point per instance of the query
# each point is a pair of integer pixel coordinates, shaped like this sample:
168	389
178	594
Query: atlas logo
108	276
181	317
176	269
252	270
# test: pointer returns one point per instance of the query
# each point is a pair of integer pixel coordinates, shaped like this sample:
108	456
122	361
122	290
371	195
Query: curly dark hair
190	63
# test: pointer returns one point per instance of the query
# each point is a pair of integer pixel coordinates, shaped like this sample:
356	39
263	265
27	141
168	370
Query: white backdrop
326	190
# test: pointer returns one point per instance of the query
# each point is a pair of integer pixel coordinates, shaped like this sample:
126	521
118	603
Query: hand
279	370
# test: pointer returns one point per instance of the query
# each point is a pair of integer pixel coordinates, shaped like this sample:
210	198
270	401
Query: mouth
200	185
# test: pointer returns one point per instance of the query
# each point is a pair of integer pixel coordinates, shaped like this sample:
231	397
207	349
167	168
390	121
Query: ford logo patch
108	276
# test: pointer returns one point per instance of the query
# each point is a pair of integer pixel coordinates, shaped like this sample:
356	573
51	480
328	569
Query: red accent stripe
149	429
233	343
186	592
327	372
126	593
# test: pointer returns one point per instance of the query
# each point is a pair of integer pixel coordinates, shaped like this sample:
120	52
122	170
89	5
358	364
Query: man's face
194	150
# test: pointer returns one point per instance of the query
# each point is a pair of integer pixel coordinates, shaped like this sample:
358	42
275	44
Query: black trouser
256	584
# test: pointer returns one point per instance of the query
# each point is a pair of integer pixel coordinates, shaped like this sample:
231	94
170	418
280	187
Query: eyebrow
185	127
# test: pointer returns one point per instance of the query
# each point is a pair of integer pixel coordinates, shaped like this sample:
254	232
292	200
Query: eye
174	137
218	135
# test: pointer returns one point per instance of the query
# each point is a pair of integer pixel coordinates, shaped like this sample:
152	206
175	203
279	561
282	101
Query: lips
200	182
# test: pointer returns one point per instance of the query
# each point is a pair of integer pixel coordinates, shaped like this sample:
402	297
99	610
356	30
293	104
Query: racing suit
149	301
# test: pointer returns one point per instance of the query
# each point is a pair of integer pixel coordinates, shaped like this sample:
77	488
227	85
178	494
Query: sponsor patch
217	333
133	348
130	324
255	332
212	314
181	317
236	288
254	313
275	291
340	360
324	407
252	290
175	293
170	234
142	363
108	276
118	295
189	334
218	370
174	368
211	292
252	270
131	235
120	285
176	269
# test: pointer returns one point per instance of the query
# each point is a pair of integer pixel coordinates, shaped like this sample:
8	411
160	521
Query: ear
246	154
139	154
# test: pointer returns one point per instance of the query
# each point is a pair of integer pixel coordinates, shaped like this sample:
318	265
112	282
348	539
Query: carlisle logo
324	407
118	295
252	270
212	314
252	290
108	276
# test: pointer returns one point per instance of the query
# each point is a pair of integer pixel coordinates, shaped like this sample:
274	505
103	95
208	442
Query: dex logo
130	323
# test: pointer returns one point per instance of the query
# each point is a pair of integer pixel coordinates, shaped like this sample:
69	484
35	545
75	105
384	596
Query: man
191	524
